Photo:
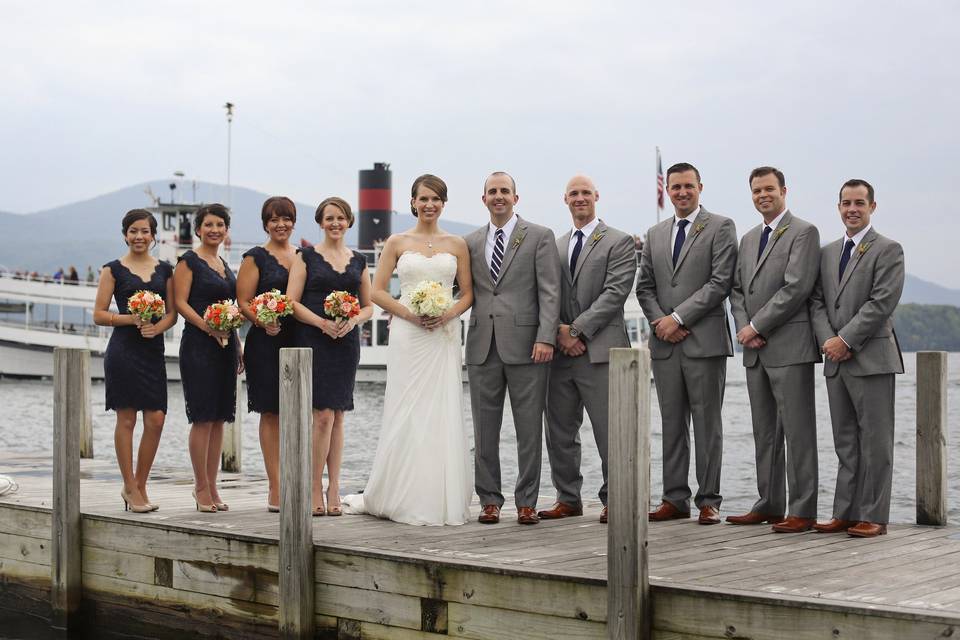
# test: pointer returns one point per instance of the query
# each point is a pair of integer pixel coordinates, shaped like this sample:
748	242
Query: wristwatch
574	331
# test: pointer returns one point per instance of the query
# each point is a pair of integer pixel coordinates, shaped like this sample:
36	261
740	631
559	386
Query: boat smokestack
376	204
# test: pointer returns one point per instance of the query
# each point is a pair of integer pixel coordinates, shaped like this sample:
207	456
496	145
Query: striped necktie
497	259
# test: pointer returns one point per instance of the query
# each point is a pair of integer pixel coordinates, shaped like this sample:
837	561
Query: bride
421	472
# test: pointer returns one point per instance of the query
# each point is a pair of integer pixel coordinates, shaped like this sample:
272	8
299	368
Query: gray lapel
776	234
665	228
563	248
703	218
600	231
477	243
509	251
855	258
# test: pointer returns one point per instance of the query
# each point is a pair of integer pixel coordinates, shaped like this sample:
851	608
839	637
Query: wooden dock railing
932	438
296	494
628	586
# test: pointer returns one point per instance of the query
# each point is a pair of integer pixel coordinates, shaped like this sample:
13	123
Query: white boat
40	314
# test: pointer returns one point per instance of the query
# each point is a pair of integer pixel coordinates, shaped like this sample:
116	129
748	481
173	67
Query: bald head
581	198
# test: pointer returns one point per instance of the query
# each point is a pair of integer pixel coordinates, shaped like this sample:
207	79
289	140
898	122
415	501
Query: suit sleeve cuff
845	342
676	316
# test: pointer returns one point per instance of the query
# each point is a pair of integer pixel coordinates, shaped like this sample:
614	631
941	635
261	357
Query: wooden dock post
932	438
628	587
296	494
231	459
71	369
86	431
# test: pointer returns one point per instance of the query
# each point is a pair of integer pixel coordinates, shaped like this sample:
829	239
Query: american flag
659	181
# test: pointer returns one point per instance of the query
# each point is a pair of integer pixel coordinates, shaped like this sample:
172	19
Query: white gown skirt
421	472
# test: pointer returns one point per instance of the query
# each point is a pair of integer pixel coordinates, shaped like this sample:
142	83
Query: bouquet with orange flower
223	316
270	306
147	305
341	306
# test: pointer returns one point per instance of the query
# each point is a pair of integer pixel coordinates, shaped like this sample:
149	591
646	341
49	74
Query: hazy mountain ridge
88	232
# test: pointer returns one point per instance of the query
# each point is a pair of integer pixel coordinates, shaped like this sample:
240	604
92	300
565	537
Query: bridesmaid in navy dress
134	369
265	268
208	370
330	266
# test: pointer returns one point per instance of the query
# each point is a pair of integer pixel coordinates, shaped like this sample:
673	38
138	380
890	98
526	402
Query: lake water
27	415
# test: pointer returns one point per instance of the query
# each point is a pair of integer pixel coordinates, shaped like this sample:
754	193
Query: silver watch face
574	332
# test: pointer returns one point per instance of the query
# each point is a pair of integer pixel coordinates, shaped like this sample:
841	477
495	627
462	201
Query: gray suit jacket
773	292
523	305
593	298
859	307
695	289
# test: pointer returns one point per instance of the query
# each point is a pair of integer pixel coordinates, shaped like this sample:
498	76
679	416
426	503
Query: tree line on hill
927	327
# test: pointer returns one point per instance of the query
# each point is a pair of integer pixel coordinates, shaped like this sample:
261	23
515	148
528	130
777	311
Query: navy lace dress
133	366
208	371
334	361
261	353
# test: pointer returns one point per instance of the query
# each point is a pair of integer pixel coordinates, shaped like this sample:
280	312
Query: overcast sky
101	95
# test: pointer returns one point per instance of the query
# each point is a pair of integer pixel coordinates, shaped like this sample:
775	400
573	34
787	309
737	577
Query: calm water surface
26	426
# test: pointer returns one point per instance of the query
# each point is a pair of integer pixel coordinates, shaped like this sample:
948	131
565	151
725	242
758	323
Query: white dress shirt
492	237
857	239
673	240
773	227
587	230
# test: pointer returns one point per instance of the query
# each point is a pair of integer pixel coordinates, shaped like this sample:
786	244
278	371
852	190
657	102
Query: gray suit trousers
527	385
861	410
572	388
783	409
691	387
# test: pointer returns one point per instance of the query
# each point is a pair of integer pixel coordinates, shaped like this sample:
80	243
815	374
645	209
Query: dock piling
71	383
86	431
296	499
628	586
932	438
231	459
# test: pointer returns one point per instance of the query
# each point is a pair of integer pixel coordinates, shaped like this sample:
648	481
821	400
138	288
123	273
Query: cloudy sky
102	95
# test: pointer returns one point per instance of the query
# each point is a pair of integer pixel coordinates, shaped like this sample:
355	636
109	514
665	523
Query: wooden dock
177	570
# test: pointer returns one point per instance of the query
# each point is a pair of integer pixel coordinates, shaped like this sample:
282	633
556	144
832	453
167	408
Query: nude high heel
203	508
129	506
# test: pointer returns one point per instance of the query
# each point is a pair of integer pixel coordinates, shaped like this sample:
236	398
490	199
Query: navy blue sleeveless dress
334	361
207	370
135	374
261	353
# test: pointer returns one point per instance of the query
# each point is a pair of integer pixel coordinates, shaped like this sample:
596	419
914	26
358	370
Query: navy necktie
576	251
763	241
845	256
680	239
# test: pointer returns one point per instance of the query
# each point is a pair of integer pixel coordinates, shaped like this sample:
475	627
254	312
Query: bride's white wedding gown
421	472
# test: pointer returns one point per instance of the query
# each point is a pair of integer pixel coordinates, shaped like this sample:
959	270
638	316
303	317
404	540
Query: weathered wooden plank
231	457
628	609
86	427
117	564
372	631
237	583
468	621
23	571
296	534
25	549
69	410
932	437
389	609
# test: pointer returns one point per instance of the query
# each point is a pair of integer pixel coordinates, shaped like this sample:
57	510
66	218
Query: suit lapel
513	245
590	242
855	259
702	219
775	236
563	248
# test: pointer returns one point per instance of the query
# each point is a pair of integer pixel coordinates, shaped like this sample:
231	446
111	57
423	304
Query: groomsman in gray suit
510	342
686	272
599	265
776	271
861	279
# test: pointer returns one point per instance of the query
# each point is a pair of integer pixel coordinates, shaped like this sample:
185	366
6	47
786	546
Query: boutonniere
697	228
595	238
779	232
863	247
519	239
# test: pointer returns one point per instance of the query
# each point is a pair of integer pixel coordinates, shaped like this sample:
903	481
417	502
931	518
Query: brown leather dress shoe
709	515
560	510
667	511
490	514
867	530
527	515
603	515
794	524
754	518
836	525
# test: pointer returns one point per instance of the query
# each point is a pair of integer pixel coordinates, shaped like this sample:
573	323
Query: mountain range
79	233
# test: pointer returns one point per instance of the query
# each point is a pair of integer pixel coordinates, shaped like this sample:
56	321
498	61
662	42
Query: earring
413	210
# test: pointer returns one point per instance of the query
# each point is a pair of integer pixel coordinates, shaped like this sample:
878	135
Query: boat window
366	334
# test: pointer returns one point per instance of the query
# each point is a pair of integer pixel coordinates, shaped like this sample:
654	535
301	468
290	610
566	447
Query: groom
513	328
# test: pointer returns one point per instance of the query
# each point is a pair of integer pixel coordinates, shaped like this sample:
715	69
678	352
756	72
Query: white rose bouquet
430	298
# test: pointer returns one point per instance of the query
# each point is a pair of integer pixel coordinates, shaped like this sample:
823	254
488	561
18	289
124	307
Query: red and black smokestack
376	204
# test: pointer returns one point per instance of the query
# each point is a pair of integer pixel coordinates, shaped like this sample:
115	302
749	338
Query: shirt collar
776	221
587	229
857	239
690	218
507	228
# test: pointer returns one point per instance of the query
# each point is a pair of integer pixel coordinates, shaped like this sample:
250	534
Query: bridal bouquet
223	316
270	306
341	305
430	298
147	305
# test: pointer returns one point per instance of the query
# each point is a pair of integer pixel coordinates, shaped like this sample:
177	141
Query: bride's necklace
429	243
